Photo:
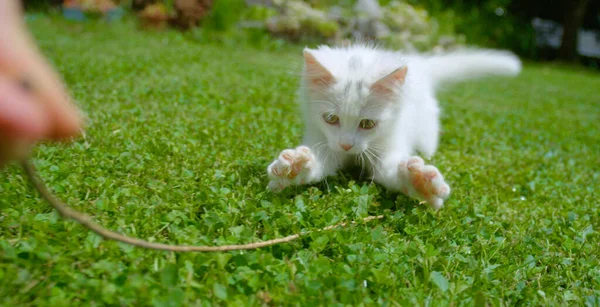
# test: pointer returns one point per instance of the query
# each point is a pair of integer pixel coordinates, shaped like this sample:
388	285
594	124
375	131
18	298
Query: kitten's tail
471	64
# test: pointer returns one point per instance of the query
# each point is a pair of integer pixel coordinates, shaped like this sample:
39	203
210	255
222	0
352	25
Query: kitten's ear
385	85
316	73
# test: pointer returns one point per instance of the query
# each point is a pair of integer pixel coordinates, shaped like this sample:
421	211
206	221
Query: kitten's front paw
291	168
426	181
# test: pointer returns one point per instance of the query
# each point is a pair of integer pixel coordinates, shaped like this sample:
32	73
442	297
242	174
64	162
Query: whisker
362	164
324	102
369	156
372	168
333	99
318	146
373	164
377	146
326	159
374	154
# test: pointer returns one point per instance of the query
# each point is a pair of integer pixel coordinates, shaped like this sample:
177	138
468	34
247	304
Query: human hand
34	104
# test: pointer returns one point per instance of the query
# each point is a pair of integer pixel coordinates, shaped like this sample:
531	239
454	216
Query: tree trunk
573	19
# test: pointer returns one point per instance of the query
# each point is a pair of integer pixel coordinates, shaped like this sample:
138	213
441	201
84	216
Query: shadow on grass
331	189
329	186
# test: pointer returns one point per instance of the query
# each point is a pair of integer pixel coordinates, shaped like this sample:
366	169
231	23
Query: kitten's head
350	106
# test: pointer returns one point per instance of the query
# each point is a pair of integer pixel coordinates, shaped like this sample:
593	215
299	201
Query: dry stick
68	213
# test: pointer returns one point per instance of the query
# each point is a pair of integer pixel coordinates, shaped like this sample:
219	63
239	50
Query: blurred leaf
169	275
439	279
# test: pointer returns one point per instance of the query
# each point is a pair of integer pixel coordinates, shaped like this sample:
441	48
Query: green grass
178	139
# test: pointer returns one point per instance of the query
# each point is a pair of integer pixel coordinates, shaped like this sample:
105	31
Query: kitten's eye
367	124
331	119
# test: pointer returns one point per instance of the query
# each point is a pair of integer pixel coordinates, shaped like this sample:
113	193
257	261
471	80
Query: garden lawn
178	140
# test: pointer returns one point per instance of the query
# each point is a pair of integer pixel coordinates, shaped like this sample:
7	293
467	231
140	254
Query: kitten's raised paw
427	182
291	168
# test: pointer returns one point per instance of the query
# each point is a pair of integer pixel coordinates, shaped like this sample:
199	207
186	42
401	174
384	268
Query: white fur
407	120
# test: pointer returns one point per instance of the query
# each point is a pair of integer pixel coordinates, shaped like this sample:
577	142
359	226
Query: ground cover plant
178	139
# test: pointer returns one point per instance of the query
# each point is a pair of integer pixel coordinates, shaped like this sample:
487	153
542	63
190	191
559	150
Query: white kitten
378	107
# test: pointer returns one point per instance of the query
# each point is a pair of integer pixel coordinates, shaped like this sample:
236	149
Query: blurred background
188	101
540	30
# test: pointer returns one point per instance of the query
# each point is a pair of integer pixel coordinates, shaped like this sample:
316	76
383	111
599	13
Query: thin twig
66	212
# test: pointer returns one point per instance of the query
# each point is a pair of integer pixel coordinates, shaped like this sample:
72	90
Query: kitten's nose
346	147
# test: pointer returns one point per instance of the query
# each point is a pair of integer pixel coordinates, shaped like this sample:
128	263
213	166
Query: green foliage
425	32
400	26
40	5
258	13
223	26
224	15
489	23
256	38
299	20
178	140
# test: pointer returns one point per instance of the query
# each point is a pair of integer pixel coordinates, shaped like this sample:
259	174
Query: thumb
22	121
21	60
21	117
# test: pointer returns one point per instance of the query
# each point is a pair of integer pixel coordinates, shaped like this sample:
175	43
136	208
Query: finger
20	59
21	117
